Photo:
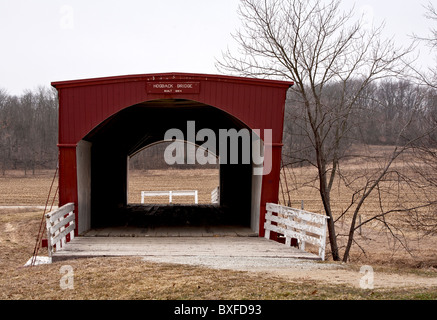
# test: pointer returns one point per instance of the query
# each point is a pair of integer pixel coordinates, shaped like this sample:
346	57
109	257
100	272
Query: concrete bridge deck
174	242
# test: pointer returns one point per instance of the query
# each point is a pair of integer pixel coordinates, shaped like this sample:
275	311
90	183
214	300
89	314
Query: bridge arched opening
103	160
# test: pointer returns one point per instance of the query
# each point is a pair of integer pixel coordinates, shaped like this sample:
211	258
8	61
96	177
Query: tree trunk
350	238
325	196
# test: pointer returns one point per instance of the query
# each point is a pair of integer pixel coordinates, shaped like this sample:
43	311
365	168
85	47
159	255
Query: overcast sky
51	40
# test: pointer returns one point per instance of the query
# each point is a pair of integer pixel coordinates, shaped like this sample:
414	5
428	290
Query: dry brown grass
25	190
132	278
374	244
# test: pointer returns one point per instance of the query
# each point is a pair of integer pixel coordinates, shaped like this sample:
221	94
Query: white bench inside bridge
170	194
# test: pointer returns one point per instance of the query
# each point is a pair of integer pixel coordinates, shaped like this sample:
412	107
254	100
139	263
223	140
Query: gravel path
246	263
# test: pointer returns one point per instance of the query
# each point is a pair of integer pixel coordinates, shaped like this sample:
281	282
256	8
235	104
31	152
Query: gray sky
50	40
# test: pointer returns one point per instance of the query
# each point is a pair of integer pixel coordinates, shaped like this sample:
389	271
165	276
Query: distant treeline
29	124
28	130
389	112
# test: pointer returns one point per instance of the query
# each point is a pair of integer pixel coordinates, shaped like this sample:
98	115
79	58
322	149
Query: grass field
203	180
132	278
374	242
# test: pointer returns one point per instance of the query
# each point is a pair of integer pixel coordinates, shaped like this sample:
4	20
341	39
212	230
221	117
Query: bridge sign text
173	87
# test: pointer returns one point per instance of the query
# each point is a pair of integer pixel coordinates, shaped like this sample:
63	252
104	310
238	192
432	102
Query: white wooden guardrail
170	194
215	195
302	225
59	223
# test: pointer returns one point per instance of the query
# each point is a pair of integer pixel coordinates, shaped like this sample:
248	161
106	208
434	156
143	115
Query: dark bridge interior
138	126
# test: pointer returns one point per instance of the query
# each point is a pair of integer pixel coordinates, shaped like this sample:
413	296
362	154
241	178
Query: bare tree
425	151
428	77
395	114
318	46
431	14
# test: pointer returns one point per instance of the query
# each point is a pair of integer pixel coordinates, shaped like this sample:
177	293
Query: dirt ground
397	273
312	272
193	278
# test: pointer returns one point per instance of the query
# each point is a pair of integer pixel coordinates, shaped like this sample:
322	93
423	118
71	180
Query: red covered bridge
103	121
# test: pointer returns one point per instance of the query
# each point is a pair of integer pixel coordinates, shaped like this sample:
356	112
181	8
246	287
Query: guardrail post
323	241
302	243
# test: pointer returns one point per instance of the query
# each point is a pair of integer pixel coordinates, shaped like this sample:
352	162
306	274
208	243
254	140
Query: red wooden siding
84	104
